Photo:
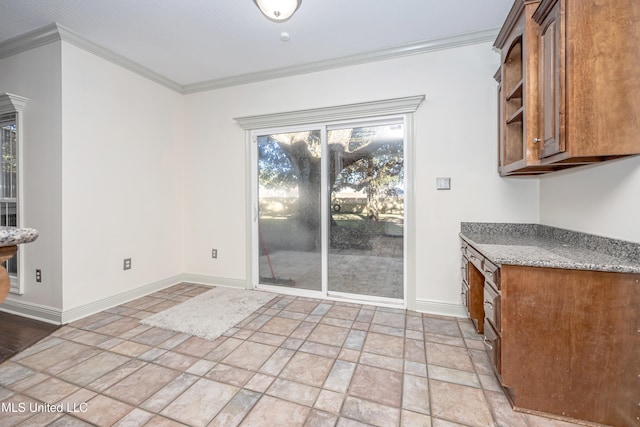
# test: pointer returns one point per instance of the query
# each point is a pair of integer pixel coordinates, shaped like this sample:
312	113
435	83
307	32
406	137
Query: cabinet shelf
516	117
516	92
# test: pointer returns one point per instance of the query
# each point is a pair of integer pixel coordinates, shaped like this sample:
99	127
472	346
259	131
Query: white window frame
10	103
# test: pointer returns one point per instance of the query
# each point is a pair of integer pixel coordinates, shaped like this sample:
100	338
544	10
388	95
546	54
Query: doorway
329	211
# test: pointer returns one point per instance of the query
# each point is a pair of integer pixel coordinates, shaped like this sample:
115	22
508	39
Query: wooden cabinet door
551	83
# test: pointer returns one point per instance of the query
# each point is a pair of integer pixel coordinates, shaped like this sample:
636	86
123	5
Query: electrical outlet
38	275
214	253
126	265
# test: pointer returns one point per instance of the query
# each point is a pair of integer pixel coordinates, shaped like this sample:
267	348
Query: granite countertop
10	236
543	246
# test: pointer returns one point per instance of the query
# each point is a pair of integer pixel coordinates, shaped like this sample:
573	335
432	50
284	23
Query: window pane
366	172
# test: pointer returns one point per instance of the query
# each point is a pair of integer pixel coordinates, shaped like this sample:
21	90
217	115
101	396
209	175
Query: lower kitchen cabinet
563	342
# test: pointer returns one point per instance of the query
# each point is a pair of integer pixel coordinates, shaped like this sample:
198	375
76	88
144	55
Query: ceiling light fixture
278	10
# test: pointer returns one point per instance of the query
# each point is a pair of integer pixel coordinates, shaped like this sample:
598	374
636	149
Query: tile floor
294	362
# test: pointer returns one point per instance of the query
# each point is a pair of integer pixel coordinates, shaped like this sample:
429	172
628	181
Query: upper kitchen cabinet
580	84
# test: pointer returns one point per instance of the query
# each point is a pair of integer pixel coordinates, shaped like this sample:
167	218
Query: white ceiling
196	41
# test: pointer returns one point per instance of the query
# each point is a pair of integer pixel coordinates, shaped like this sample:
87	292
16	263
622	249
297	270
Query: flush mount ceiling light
278	10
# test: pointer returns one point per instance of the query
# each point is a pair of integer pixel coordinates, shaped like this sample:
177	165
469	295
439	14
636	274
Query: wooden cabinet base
570	343
6	252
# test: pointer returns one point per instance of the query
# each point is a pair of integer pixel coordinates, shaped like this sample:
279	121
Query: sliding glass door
330	210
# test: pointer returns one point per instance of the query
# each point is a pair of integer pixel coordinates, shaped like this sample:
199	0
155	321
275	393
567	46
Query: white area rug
212	313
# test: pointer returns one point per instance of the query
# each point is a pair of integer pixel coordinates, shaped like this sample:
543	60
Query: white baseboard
213	281
441	308
105	303
31	310
61	317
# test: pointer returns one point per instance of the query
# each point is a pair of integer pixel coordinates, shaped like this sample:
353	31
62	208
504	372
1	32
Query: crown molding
346	61
10	102
55	32
316	115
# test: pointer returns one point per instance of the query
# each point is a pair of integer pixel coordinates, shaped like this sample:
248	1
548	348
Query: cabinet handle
536	140
488	343
489	303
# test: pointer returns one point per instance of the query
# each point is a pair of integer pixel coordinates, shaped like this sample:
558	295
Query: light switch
443	183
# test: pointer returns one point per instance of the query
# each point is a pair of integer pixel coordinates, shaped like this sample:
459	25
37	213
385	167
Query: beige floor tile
389	319
457	403
414	351
200	403
370	412
277	361
330	335
233	413
62	352
270	411
380	361
318	418
448	356
340	376
293	392
308	368
230	375
378	385
249	355
168	393
141	384
91	369
413	419
51	391
104	411
116	375
130	348
269	339
330	401
280	326
385	345
153	336
415	394
177	361
118	327
455	376
135	418
318	349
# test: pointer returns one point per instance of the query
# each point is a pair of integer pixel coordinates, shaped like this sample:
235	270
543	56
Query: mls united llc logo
21	407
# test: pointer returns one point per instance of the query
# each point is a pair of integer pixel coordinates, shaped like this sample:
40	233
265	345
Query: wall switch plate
126	265
38	275
214	253
443	183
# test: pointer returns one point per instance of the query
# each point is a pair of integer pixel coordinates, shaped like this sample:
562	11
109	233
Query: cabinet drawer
465	296
475	257
464	267
492	306
491	273
492	345
464	248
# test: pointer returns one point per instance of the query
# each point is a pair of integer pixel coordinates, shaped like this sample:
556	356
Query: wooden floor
19	333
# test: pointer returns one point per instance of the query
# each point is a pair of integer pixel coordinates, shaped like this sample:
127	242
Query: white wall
36	74
122	179
602	199
455	134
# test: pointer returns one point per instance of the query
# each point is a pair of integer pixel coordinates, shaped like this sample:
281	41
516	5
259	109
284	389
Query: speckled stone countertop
543	246
10	236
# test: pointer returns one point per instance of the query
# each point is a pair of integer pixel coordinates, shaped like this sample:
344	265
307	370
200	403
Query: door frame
313	118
